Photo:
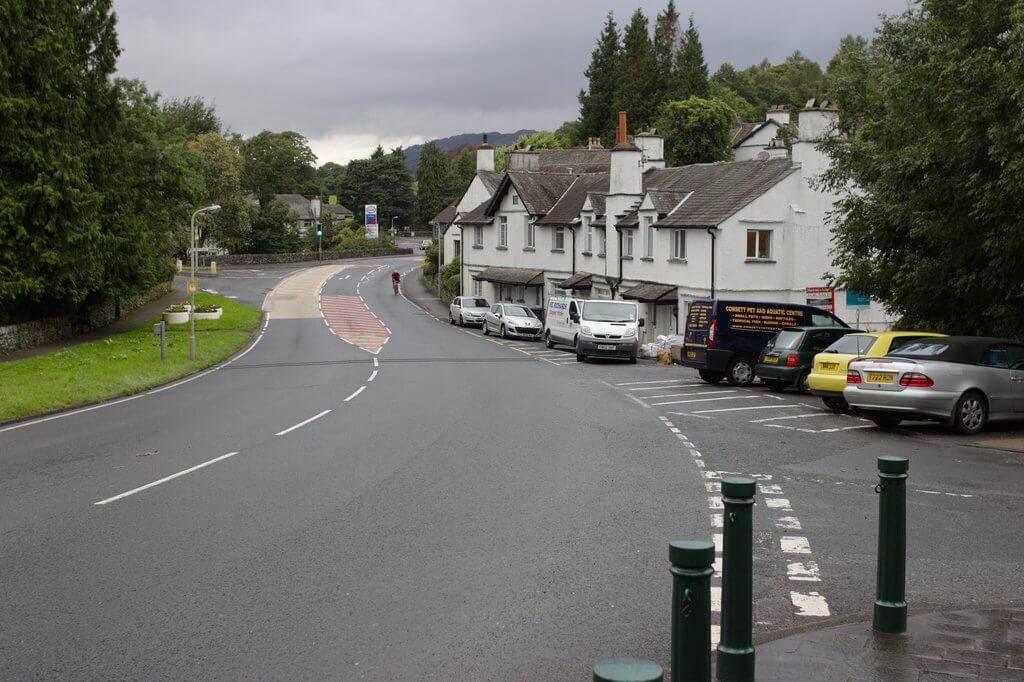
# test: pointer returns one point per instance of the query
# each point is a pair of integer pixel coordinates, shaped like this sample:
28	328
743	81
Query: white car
509	320
594	328
425	244
467	310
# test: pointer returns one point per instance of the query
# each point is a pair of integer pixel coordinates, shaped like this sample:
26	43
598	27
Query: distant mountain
450	144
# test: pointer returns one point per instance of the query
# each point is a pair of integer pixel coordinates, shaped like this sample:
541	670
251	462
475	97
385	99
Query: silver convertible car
964	381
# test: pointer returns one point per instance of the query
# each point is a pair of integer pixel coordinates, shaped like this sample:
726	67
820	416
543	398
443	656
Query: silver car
467	310
964	381
512	320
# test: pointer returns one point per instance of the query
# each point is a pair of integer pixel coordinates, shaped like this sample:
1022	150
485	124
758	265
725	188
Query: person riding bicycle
396	279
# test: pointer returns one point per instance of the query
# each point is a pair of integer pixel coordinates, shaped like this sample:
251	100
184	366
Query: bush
351	240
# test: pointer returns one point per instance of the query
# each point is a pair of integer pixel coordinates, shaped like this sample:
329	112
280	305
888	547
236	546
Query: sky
352	74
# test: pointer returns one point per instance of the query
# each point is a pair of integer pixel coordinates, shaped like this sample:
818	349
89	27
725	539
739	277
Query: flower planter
175	318
215	315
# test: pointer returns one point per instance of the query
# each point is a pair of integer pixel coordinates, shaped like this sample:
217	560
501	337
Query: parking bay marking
752	407
707	400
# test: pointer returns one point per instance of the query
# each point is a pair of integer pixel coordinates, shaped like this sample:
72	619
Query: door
1015	358
491	316
1001	383
572	326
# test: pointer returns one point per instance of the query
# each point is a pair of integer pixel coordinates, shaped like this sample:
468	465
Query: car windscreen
475	303
786	340
852	344
921	349
609	311
518	311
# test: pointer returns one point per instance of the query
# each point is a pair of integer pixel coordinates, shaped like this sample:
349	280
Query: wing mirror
574	317
641	322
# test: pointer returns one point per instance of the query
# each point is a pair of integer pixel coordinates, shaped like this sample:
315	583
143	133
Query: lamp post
314	209
393	219
193	284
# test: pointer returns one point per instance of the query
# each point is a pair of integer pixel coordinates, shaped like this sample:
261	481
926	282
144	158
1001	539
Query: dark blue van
723	339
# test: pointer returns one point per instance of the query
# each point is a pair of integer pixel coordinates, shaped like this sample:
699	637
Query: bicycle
394	285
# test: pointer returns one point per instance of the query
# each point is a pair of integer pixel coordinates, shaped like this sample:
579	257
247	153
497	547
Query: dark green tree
637	93
191	115
384	180
666	45
274	230
464	168
276	163
597	102
330	179
221	172
850	62
696	131
435	184
691	73
930	219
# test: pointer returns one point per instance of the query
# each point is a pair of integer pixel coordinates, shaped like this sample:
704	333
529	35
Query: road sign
370	221
192	285
822	297
855	299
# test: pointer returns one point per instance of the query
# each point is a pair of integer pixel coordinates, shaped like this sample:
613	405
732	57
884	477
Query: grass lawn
122	364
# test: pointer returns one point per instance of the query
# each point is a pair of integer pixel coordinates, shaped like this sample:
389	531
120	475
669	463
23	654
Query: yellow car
828	371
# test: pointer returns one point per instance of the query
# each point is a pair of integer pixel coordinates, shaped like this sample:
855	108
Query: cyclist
396	279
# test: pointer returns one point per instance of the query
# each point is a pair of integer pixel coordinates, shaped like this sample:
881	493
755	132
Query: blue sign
855	299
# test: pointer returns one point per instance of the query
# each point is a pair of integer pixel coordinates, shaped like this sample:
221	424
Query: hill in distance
456	142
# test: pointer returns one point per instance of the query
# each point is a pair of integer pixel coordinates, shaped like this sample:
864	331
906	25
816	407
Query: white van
594	328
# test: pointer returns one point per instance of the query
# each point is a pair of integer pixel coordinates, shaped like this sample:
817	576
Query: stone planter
215	315
175	318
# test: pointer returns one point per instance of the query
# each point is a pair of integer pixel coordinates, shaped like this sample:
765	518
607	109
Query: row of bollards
692	565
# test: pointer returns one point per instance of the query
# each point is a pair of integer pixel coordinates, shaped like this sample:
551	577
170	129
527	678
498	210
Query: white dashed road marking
302	423
165	479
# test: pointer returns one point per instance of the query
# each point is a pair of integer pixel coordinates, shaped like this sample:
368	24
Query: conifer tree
691	70
638	76
666	44
597	103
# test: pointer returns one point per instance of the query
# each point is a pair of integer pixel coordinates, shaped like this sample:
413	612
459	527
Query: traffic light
319	229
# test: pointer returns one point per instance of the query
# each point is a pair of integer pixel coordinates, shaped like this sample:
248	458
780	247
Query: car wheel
802	384
886	421
451	320
503	334
547	340
486	329
971	413
740	371
710	377
775	385
836	404
632	360
580	357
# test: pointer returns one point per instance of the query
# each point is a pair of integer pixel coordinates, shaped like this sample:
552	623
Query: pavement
371	493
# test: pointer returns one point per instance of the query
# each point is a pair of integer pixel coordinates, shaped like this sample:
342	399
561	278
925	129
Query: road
370	493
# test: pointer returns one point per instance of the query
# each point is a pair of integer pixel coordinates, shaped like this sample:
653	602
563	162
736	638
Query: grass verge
122	364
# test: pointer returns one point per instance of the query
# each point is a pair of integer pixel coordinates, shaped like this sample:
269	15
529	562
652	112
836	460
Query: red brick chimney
620	132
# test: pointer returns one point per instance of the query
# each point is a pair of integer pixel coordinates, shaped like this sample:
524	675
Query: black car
787	358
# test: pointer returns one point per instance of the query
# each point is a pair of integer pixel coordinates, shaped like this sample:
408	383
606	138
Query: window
457	248
588	240
852	344
679	244
1003	356
604	242
478	288
502	231
538	296
823	320
559	238
627	248
759	244
530	233
515	199
649	237
521	294
478	235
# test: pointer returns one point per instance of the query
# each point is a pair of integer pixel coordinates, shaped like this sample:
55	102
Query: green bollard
735	650
891	593
692	566
627	670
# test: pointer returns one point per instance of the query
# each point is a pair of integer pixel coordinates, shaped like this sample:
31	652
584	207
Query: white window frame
530	237
756	252
649	236
457	248
627	246
558	239
478	235
604	242
503	231
589	239
478	288
679	244
515	199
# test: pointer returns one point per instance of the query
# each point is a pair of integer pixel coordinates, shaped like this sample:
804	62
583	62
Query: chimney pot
620	132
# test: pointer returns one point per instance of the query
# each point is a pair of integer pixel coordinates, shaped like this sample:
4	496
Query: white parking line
795	544
373	375
791	416
662	388
164	479
708	400
754	407
358	391
660	381
810	604
302	423
683	395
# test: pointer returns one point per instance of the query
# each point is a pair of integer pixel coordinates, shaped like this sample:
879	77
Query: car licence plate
830	366
771	359
604	346
881	378
691	354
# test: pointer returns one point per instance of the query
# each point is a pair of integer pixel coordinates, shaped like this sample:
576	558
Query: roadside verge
122	364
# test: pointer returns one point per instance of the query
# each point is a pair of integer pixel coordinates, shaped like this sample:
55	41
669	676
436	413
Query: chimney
652	147
626	173
778	113
620	132
816	120
485	156
594	143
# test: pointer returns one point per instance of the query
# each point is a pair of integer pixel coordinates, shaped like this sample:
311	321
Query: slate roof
719	189
491	180
597	202
575	160
478	216
537	191
523	276
581	280
664	201
446	216
567	209
745	130
302	207
649	292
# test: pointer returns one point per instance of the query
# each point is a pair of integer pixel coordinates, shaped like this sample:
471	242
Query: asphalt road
448	508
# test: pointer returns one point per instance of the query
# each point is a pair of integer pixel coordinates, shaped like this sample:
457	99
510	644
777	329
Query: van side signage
757	318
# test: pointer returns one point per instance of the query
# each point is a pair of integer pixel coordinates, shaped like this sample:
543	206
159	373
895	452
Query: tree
569	134
597	103
274	230
221	170
542	139
276	163
464	168
666	45
696	131
691	73
330	179
638	75
850	62
435	183
191	115
929	219
744	110
384	180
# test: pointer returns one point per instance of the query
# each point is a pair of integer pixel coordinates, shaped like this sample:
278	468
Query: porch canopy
648	292
517	276
581	280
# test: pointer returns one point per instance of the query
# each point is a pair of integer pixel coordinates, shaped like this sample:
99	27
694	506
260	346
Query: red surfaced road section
352	321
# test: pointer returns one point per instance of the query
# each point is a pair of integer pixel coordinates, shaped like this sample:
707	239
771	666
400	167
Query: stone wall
50	329
305	257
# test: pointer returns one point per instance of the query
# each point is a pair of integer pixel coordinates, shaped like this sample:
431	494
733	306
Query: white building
619	224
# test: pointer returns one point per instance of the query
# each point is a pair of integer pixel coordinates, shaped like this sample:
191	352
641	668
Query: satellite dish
763	156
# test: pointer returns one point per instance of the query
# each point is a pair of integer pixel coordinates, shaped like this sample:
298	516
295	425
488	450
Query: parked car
786	359
425	244
467	310
723	339
828	373
594	328
964	381
512	320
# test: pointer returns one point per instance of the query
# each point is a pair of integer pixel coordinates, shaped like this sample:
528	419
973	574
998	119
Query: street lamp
193	284
393	219
314	208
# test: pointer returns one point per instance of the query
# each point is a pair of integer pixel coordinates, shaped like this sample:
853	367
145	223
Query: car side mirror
574	318
641	321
